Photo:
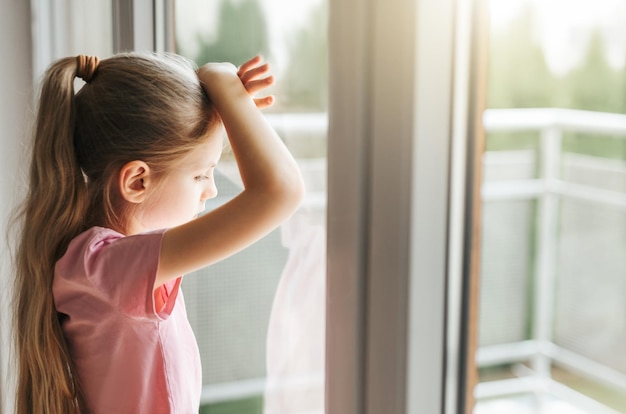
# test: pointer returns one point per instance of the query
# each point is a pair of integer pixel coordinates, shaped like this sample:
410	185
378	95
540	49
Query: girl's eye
201	177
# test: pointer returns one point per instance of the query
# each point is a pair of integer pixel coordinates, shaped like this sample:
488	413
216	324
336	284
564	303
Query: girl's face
182	193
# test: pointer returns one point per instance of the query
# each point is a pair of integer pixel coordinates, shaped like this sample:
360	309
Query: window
259	316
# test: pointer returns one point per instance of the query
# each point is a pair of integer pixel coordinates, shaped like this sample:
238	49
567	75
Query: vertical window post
392	115
142	25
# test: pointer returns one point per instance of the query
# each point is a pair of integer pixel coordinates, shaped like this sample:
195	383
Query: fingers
257	85
264	102
246	66
252	75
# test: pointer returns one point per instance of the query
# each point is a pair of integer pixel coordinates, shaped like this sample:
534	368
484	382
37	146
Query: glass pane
259	316
552	319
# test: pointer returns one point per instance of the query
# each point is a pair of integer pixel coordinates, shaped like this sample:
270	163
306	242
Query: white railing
547	189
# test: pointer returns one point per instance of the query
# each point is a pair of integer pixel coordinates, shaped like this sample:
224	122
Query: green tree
518	74
242	33
306	79
520	78
595	85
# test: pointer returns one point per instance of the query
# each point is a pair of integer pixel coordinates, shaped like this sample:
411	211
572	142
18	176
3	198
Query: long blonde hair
136	107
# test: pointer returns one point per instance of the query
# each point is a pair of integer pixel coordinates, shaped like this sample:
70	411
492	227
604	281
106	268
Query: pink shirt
131	357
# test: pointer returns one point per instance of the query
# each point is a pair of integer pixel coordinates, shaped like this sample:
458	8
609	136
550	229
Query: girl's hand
252	74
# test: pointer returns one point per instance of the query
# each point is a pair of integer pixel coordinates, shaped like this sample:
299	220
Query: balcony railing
547	189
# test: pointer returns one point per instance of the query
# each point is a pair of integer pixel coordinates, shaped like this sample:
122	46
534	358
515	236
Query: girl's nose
210	191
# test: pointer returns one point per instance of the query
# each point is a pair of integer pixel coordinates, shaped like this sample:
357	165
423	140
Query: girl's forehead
208	151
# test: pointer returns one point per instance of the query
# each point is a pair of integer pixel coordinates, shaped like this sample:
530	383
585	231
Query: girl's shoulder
105	264
84	248
97	243
103	236
94	235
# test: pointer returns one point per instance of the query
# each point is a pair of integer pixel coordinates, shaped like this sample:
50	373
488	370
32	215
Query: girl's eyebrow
209	166
204	163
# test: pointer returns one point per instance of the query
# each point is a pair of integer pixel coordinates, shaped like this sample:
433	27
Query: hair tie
86	67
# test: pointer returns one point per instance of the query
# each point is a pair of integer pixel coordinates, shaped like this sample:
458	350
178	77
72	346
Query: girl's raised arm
273	187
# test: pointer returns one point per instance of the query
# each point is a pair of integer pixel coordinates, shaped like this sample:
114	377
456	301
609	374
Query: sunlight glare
565	27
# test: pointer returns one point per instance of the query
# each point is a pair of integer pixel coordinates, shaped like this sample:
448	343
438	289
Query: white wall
15	98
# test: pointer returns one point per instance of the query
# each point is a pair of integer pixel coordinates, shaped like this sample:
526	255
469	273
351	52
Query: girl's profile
119	175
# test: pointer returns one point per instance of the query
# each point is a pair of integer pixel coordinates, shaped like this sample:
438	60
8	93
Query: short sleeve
124	269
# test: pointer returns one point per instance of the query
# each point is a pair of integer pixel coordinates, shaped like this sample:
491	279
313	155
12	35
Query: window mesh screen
590	314
505	270
229	305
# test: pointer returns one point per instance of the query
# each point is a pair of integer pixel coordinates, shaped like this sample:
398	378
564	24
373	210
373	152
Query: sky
564	28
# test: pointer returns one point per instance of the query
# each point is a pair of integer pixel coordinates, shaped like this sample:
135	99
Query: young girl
119	173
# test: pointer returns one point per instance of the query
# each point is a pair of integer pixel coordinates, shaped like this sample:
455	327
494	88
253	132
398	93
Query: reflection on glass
552	320
259	316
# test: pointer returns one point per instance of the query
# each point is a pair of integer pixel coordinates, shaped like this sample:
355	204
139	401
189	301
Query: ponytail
51	216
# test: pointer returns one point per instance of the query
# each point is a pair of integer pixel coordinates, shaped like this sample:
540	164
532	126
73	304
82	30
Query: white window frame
15	43
398	118
143	25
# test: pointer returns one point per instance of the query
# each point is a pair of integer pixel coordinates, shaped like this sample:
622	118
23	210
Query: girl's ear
133	181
